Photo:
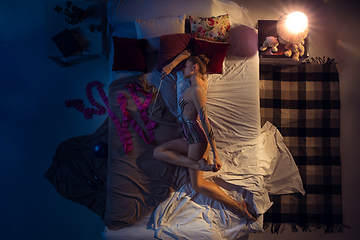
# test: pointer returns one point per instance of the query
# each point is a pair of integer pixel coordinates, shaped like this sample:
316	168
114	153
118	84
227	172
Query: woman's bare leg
176	152
179	152
213	191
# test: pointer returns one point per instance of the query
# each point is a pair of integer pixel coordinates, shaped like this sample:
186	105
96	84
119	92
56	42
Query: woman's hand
167	70
179	58
217	164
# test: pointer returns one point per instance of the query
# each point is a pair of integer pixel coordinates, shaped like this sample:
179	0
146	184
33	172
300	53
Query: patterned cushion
212	29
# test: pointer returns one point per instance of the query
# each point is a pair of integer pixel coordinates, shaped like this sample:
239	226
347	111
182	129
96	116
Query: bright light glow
296	22
292	28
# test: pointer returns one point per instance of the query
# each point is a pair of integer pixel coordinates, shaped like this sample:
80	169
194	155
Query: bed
149	199
140	197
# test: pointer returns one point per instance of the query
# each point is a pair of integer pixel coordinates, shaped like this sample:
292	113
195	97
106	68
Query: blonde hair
201	60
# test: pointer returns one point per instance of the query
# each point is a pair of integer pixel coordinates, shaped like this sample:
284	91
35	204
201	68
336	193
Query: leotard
192	129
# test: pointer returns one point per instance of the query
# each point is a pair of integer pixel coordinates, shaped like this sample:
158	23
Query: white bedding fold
243	176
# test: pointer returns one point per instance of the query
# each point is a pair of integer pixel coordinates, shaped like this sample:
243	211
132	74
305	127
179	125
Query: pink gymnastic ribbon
121	128
80	106
149	124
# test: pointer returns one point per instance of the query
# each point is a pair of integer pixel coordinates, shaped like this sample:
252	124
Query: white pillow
153	29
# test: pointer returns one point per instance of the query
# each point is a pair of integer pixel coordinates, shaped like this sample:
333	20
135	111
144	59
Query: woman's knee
158	152
197	185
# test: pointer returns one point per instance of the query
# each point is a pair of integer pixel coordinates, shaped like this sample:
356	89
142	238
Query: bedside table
93	44
268	28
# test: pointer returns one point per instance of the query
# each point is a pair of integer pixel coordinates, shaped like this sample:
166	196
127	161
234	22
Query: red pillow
129	54
171	46
214	51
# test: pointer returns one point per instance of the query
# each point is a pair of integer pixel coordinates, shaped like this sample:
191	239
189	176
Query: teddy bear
297	50
270	42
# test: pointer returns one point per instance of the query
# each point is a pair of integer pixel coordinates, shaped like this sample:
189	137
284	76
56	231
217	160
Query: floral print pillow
212	29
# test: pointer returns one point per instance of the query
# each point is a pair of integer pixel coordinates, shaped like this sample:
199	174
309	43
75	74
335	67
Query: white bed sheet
187	214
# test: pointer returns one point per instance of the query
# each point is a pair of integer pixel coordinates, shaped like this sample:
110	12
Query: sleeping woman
192	150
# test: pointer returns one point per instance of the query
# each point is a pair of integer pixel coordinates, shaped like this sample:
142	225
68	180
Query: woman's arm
179	58
200	104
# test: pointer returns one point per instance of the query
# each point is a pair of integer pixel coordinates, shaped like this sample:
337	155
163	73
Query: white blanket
244	176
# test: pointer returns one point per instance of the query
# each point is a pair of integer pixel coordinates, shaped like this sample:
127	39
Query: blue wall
34	121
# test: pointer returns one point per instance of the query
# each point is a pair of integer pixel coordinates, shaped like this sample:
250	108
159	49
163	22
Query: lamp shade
292	28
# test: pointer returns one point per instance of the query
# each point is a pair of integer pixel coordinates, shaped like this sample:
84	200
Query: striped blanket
303	102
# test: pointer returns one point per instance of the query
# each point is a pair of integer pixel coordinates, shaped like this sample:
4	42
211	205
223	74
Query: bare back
191	97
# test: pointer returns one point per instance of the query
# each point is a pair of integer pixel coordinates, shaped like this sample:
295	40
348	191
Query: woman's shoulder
196	89
200	90
199	93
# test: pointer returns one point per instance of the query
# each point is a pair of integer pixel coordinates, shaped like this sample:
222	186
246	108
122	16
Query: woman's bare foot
204	166
244	212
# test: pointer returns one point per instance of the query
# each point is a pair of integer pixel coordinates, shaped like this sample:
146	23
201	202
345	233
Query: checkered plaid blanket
303	102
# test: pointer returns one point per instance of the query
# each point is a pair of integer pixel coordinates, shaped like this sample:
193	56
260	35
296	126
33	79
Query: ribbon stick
161	80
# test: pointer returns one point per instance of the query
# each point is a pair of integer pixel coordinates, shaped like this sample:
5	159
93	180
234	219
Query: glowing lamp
292	28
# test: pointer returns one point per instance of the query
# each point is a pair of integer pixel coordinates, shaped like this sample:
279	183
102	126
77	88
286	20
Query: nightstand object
71	44
268	28
66	43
